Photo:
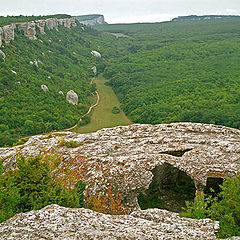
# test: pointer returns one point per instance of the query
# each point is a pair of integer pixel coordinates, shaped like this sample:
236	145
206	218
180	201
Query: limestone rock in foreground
55	222
127	157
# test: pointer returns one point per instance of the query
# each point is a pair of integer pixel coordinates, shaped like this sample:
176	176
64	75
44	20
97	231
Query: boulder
96	54
51	23
2	54
44	88
14	72
94	69
55	222
35	62
72	97
61	93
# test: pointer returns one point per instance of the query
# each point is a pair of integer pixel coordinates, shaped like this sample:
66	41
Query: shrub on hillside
224	208
115	110
30	187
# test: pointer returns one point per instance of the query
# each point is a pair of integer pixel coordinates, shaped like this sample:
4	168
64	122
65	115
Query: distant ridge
91	19
203	17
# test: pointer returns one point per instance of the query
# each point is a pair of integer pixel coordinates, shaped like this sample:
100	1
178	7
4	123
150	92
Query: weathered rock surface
96	54
8	33
44	88
126	156
72	97
55	222
29	28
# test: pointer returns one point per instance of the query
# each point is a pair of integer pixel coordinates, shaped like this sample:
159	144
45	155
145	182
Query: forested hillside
62	61
177	71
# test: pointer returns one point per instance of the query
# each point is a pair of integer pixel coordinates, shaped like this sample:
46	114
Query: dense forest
161	73
62	61
177	71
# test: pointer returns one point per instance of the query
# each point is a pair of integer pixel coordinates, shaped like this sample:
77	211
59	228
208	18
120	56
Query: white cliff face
96	21
30	28
8	33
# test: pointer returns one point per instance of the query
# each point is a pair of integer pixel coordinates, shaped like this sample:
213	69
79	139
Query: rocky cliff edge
7	33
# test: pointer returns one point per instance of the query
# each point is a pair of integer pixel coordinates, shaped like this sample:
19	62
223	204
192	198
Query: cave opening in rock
213	183
169	189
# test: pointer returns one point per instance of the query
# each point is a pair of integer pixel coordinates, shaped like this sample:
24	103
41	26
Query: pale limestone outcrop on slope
40	24
44	88
55	222
72	97
125	157
96	54
29	28
8	33
94	69
92	22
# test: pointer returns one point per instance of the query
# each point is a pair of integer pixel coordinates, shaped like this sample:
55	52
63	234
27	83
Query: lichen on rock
125	157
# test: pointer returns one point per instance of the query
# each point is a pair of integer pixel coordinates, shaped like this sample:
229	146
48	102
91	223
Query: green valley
177	71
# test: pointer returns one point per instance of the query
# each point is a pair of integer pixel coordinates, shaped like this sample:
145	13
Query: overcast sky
116	11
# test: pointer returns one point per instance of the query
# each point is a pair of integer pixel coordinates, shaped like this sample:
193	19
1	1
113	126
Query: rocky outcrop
55	222
8	33
30	28
91	20
72	97
126	157
96	54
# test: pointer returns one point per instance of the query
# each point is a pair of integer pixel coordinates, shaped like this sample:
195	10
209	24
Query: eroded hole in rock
169	190
178	153
213	183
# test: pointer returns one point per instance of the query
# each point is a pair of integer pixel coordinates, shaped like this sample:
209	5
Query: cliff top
203	17
88	17
14	19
